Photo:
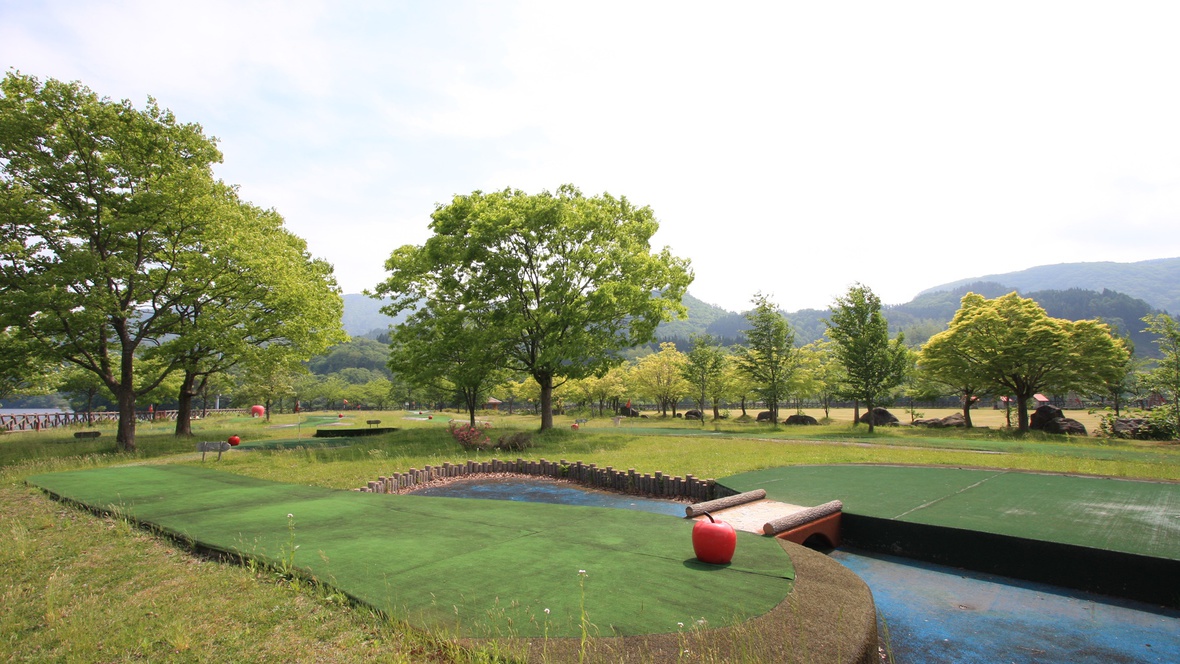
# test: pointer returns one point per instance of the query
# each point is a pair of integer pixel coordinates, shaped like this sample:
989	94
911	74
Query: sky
786	148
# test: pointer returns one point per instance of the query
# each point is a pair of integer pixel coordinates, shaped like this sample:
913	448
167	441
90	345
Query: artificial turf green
470	568
1111	514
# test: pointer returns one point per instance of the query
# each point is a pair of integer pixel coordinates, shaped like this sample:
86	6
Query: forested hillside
929	313
1156	282
1119	293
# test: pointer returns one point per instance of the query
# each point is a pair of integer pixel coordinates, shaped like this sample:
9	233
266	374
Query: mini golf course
471	569
544	575
1116	537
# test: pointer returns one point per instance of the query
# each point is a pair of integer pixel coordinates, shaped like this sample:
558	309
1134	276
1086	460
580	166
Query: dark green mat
472	568
1115	515
291	443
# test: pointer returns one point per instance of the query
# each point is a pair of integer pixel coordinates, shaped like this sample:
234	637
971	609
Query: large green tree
449	348
567	281
660	377
99	201
873	364
946	366
704	369
261	291
1164	378
769	357
1010	345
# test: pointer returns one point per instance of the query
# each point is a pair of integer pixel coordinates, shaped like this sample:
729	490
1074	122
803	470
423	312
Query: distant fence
624	481
39	421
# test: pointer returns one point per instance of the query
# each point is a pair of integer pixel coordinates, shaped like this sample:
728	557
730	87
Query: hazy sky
786	147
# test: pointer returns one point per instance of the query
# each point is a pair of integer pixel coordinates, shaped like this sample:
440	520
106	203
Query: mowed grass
83	587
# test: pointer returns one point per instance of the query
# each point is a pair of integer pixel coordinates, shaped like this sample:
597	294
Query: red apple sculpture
234	440
713	541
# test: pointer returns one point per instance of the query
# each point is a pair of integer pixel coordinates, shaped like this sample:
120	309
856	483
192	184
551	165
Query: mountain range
1118	293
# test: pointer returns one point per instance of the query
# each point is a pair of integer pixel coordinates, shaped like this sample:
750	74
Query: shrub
1159	424
470	437
520	440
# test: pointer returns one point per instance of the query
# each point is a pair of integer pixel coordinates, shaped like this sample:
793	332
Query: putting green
1115	515
470	568
290	443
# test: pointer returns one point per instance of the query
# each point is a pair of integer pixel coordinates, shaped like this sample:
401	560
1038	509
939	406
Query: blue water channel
930	614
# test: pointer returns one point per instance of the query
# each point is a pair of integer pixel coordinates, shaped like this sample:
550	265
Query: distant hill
928	314
1156	282
362	315
1118	293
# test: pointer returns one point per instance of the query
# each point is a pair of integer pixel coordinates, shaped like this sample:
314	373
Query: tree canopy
124	257
873	365
769	357
100	199
1010	345
566	280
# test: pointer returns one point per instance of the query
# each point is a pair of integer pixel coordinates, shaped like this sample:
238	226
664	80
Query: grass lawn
78	586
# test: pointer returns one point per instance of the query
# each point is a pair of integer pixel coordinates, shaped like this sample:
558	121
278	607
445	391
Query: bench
581	421
372	423
219	447
87	434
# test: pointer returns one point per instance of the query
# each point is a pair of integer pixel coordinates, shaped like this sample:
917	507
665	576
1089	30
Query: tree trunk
967	411
184	405
545	381
1022	412
470	397
872	417
855	412
125	437
716	413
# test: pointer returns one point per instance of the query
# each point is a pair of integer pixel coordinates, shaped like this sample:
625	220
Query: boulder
1129	427
1066	426
799	418
1138	428
1051	420
955	420
764	416
1043	415
693	415
880	416
628	412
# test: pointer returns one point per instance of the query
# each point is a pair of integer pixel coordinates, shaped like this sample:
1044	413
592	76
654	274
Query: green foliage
1011	346
769	357
126	258
659	377
1165	377
22	370
101	203
704	369
873	365
566	281
356	353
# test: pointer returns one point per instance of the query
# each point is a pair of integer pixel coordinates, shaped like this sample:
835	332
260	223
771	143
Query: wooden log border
657	484
722	503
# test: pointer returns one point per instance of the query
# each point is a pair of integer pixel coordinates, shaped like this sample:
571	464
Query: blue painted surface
934	614
942	614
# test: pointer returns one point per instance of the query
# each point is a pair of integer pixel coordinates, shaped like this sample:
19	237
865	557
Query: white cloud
786	148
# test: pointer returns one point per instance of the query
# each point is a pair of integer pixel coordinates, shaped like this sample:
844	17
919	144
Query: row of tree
124	257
